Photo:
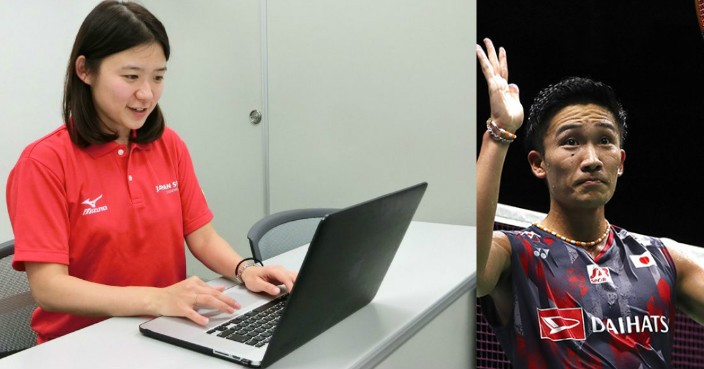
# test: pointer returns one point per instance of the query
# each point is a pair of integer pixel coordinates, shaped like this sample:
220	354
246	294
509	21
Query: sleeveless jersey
574	311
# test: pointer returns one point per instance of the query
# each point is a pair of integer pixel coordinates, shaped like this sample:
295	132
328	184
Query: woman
100	207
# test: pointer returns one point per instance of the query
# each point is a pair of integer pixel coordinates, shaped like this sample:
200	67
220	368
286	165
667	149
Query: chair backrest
283	231
16	305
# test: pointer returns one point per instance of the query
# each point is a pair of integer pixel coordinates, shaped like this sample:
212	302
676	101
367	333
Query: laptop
343	268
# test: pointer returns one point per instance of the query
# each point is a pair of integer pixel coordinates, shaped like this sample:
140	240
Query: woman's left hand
266	278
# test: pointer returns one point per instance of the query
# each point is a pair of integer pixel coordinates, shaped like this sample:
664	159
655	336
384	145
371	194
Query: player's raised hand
506	108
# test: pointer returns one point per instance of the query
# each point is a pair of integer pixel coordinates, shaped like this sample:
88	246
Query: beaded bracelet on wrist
498	133
244	264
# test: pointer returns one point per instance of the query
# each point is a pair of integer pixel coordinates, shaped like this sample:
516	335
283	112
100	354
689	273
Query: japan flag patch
643	260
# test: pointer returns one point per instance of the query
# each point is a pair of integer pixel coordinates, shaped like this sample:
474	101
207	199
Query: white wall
369	96
36	40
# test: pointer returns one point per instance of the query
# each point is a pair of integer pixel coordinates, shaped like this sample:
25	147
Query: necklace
576	243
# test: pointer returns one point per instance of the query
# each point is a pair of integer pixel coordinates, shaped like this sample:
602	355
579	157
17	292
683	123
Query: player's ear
623	159
537	164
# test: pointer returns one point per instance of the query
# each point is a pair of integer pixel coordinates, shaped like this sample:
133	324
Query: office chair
283	231
16	305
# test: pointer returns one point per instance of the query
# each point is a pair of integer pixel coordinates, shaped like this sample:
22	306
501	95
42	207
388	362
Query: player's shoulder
638	238
529	233
507	238
500	239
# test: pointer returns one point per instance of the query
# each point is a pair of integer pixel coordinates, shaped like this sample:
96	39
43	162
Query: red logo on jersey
561	324
598	274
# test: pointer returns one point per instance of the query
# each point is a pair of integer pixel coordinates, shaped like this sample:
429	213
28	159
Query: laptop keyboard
253	328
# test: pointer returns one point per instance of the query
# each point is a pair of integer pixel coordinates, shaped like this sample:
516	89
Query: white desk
434	268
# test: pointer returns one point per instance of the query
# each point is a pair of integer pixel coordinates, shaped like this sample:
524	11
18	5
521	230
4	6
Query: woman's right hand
506	108
185	297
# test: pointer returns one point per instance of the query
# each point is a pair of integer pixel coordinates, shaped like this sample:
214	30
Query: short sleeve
196	212
38	210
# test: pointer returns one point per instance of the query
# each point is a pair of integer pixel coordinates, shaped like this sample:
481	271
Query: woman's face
127	87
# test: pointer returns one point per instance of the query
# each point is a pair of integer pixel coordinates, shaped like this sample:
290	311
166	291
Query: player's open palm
506	108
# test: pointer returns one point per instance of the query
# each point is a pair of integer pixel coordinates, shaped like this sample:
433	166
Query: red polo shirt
113	217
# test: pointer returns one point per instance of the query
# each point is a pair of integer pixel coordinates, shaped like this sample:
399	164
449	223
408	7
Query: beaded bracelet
238	272
502	135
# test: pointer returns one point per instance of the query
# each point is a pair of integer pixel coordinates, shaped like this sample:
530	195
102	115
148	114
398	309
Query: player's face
127	87
582	159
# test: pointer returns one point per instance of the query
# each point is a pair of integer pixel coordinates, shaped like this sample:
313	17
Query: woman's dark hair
570	91
111	27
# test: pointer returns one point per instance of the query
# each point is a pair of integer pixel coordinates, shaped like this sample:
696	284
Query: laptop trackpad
248	300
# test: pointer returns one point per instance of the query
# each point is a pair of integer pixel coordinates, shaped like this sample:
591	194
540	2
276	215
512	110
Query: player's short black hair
570	91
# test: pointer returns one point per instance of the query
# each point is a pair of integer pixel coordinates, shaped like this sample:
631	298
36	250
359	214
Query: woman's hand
266	278
183	298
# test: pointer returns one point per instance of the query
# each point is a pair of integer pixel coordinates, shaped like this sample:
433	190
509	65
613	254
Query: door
212	83
369	96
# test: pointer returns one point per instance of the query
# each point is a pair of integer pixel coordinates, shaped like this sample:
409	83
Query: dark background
652	54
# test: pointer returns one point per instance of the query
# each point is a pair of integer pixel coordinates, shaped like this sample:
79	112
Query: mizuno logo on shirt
93	208
643	260
561	324
91	203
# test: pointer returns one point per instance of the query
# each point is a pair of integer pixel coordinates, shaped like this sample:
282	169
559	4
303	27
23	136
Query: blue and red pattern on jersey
574	311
